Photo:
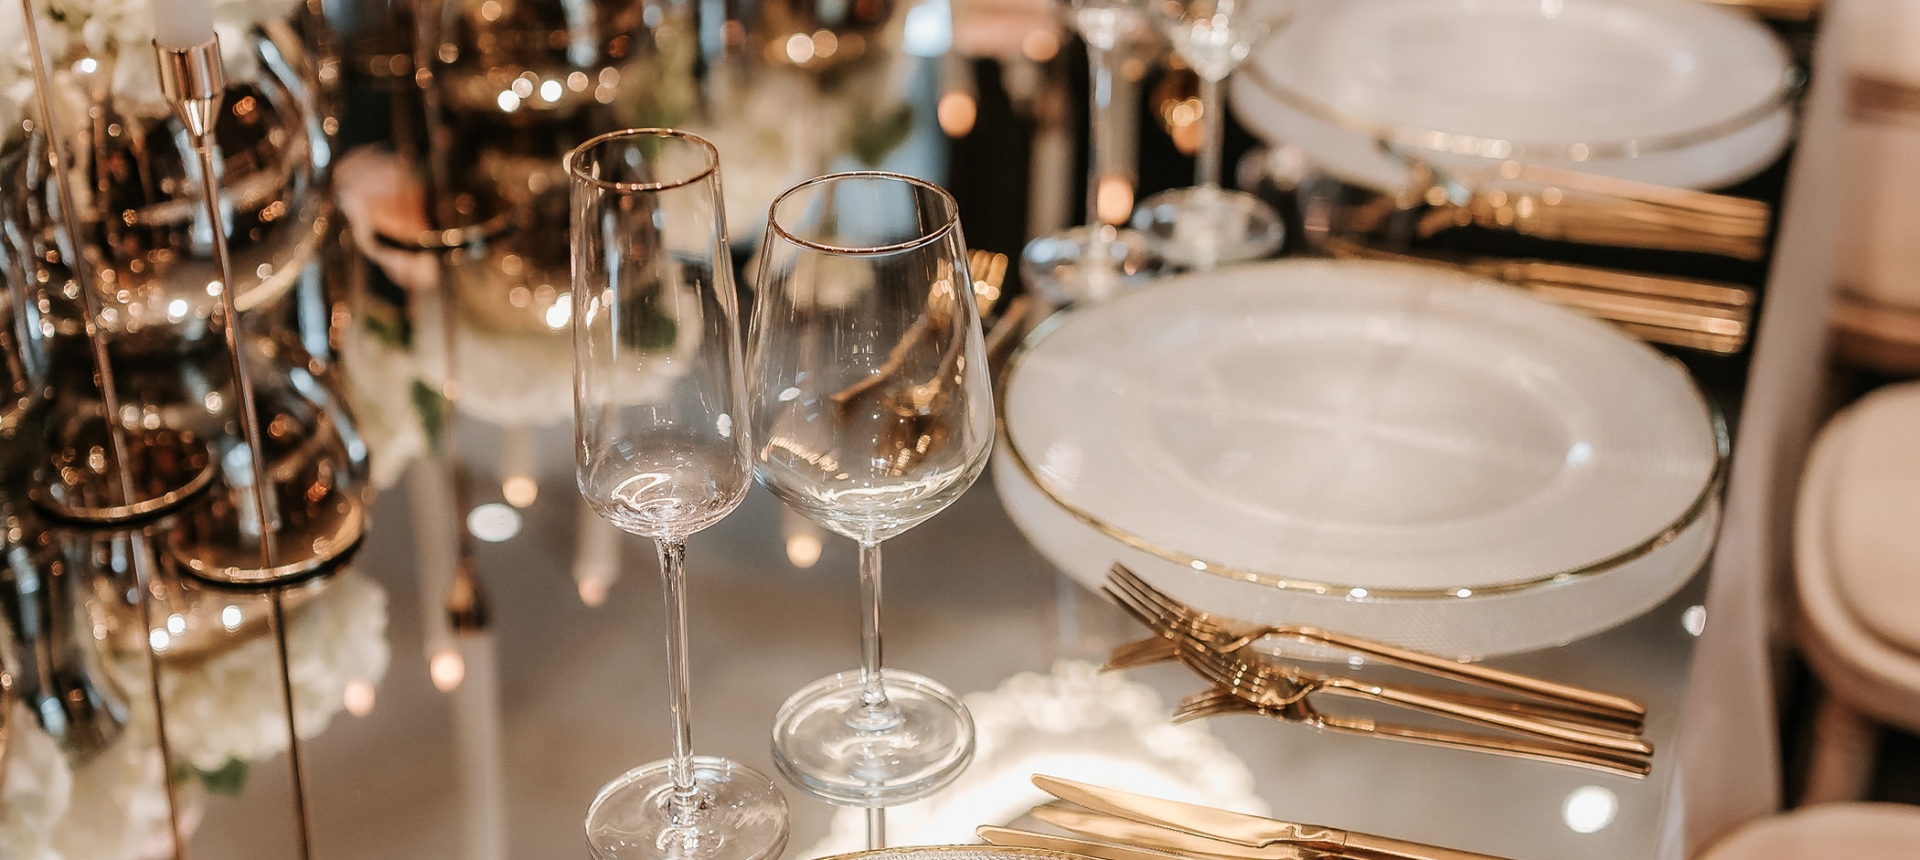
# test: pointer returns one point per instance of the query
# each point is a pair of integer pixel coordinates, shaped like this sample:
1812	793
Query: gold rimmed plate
1366	447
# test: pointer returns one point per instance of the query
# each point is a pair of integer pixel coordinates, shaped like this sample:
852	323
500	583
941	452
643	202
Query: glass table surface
557	696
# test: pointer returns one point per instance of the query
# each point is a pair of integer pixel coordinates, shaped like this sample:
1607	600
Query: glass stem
876	828
1099	124
1213	118
673	576
873	694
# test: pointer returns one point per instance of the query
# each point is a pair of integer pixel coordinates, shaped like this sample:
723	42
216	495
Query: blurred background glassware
663	451
146	239
315	459
50	647
872	412
1206	225
1101	258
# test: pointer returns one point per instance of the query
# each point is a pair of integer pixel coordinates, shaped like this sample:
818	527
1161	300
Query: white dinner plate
1676	93
1356	434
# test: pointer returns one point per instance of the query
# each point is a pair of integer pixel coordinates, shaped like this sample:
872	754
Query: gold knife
1236	828
1104	851
1100	825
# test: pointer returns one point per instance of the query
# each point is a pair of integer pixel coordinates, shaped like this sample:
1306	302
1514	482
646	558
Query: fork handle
1605	704
1636	766
1439	704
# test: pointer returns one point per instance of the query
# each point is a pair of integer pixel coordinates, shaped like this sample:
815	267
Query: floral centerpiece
224	712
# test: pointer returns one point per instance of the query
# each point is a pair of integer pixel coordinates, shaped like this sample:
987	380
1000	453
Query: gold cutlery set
1128	826
1568	206
1543	721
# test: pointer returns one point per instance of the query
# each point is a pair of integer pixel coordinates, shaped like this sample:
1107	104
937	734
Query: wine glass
872	412
1205	225
1097	260
659	452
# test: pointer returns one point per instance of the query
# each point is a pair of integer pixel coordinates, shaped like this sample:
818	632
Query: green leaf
883	134
229	781
432	406
396	331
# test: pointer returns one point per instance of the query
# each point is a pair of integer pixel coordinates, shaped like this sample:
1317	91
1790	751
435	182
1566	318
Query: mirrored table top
556	696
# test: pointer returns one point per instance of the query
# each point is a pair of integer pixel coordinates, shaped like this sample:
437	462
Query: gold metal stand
194	83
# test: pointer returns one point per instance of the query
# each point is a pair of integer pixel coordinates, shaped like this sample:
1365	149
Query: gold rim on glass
1435	140
578	154
952	221
1709	491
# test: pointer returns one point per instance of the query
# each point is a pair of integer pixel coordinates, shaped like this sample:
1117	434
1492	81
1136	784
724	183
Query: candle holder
212	543
279	525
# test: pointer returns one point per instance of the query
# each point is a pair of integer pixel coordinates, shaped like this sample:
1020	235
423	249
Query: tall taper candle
182	24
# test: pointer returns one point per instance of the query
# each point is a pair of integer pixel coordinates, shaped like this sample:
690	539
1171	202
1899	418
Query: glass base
1203	227
740	815
831	745
1087	264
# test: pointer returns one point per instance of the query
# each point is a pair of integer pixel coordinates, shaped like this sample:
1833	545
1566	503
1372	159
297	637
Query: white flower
1076	722
35	790
228	706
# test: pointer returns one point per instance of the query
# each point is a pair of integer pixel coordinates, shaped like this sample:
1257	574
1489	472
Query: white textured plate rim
1354	156
1461	141
1691	513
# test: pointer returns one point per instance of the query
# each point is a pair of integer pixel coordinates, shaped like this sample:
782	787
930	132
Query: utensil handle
1591	700
1432	703
1624	765
1626	223
1387	846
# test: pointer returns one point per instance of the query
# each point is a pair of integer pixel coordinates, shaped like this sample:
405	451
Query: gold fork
1175	621
1158	649
1269	686
1220	703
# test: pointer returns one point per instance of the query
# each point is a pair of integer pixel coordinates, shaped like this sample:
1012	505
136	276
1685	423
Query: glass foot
831	745
1200	228
1087	264
739	815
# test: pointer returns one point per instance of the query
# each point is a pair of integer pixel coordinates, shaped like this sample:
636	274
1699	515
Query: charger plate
1674	93
1371	447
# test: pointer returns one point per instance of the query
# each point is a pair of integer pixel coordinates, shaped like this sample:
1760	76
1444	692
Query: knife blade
1251	831
1100	825
1101	850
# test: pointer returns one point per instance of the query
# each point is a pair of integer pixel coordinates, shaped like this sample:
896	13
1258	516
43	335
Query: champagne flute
659	453
872	412
1095	261
1206	225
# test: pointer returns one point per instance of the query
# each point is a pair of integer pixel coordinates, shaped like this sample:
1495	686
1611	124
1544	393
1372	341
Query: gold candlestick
194	83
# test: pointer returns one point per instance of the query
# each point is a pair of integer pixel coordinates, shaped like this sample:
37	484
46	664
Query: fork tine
1139	595
1143	614
1213	703
1201	623
1141	652
1154	597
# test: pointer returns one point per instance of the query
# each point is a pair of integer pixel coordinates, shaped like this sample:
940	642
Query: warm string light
447	669
358	697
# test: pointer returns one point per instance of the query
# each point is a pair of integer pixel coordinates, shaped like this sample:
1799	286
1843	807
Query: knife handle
1623	764
1387	846
1554	691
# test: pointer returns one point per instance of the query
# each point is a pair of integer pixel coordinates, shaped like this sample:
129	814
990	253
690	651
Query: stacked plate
1396	452
1673	93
